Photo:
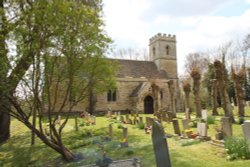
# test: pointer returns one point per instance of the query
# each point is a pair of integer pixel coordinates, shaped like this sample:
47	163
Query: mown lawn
18	152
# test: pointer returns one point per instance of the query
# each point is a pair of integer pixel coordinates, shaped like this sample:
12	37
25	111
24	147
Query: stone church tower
162	51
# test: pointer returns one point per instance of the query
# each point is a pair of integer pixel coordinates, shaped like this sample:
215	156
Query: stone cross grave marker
226	127
176	127
204	114
185	123
202	129
160	146
246	131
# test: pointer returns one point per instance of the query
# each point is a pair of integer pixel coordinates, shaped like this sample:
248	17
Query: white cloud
248	1
128	25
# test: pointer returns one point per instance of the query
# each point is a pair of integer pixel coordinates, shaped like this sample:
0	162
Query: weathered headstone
149	121
121	118
204	114
226	127
164	116
58	120
110	130
130	121
125	133
141	120
202	129
127	118
187	113
185	124
160	146
246	131
176	127
170	116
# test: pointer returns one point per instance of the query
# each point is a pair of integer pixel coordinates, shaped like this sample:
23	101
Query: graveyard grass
90	139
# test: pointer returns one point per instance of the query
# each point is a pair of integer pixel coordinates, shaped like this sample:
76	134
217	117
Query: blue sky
199	25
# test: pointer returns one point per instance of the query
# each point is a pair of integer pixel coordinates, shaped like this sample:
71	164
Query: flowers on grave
189	133
124	142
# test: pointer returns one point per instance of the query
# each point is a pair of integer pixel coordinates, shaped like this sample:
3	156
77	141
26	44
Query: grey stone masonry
160	146
226	127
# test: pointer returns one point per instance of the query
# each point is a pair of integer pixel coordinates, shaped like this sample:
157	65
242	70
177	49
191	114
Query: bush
141	125
237	148
241	120
210	120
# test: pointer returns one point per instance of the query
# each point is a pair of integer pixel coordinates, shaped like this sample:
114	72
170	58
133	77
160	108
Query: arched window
111	96
167	50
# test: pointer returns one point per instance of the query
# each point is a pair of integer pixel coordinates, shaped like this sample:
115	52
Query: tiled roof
138	69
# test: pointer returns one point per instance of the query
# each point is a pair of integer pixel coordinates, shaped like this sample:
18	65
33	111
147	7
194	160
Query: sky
199	25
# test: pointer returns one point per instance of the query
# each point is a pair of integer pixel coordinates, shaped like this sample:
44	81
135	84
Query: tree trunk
172	97
214	95
221	76
4	125
195	74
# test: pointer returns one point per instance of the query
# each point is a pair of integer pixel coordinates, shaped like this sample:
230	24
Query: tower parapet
159	36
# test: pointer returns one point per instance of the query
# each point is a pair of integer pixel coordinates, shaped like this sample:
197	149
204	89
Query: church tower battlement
162	51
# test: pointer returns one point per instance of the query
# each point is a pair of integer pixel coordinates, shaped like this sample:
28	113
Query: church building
145	86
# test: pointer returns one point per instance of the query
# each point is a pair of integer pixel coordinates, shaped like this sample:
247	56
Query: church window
111	95
167	50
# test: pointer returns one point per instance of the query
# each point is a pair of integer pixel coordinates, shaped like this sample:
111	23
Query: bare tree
238	78
131	54
214	95
221	77
195	74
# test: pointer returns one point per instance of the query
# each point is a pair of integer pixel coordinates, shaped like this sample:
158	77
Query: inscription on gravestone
160	146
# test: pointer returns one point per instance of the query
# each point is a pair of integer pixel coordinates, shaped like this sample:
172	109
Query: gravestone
204	114
246	131
135	121
125	133
160	146
202	129
185	124
176	127
111	130
226	127
58	120
127	118
93	118
109	114
149	122
121	118
187	114
141	120
164	116
170	116
130	121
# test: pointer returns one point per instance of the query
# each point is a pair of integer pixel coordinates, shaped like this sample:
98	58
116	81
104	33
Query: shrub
210	120
241	120
141	125
237	148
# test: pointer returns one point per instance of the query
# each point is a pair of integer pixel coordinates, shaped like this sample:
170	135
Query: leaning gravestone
141	120
176	127
226	127
160	146
246	131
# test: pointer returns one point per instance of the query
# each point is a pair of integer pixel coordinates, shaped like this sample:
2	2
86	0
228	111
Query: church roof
138	69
